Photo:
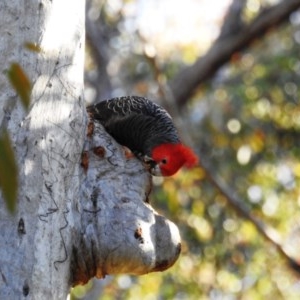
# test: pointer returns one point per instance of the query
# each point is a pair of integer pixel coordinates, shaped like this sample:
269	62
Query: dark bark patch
99	151
138	235
25	289
21	226
90	129
84	160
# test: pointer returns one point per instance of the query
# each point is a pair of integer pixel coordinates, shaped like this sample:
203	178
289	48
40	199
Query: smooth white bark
48	140
119	230
71	223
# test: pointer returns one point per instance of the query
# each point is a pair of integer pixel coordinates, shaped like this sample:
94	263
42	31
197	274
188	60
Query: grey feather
135	122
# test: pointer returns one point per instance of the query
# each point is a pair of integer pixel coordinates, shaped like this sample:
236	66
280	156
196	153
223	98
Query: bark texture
47	142
117	229
73	220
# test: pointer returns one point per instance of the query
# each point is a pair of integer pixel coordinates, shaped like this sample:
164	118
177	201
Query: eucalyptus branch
189	79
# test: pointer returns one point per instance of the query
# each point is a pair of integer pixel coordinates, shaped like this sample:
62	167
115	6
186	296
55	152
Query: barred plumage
142	126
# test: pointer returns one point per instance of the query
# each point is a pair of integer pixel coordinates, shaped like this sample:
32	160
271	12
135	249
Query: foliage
8	171
20	82
8	166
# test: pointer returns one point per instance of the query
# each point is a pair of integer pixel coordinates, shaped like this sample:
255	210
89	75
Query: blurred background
228	72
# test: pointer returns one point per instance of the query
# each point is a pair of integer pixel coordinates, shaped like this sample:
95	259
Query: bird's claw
148	162
128	153
152	166
147	159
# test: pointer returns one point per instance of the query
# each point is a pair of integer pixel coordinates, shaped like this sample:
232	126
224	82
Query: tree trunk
72	222
47	140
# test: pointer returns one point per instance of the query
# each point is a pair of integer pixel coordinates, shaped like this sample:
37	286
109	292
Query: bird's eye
164	161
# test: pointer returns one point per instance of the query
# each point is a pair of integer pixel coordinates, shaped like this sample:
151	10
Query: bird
147	130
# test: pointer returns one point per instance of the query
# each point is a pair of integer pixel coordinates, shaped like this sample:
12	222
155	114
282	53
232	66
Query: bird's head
169	158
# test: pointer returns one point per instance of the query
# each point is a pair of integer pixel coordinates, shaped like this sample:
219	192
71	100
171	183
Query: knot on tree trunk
117	231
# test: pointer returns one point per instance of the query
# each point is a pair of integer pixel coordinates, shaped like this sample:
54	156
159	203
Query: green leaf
32	47
8	172
20	83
